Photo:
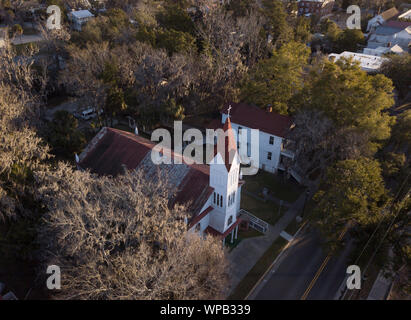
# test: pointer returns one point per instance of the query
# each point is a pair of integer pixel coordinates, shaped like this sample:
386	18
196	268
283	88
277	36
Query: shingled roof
112	150
257	118
390	13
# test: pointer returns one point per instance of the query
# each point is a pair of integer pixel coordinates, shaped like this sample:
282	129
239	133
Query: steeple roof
230	145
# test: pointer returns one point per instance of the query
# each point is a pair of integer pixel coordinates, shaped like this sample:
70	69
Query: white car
89	113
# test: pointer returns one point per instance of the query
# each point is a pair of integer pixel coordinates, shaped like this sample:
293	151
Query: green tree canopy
275	80
350	97
349	40
398	68
353	191
64	136
402	129
276	15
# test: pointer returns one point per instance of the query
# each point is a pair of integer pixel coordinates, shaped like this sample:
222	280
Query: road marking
320	270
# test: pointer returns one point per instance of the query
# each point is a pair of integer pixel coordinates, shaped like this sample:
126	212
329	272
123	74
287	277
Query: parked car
87	114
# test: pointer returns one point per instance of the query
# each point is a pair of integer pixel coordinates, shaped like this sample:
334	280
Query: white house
381	19
406	16
213	191
379	51
79	18
368	63
391	33
273	129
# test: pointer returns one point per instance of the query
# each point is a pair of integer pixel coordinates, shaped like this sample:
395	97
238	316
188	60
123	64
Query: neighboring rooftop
112	151
397	24
257	118
389	14
406	15
82	14
367	62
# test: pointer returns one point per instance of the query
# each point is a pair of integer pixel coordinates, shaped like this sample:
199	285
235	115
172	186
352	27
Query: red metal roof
397	24
200	217
112	150
257	118
215	233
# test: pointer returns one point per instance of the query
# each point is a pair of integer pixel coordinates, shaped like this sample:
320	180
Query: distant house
379	51
79	18
315	7
273	129
406	16
391	33
380	19
368	63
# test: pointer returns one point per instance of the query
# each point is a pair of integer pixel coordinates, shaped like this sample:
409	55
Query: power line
376	229
386	233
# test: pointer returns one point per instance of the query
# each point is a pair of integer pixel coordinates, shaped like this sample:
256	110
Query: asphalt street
290	278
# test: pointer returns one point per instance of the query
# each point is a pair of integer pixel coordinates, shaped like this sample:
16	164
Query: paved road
26	39
292	275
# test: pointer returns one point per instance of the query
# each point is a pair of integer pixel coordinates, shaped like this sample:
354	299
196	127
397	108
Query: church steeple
229	144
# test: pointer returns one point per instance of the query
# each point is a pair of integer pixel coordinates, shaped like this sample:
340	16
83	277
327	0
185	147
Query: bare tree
21	151
117	238
318	143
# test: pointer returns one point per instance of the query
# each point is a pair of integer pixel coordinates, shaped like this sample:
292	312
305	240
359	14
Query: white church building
273	130
213	191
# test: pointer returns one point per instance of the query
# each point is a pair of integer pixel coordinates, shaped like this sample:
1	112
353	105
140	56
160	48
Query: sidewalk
381	288
249	251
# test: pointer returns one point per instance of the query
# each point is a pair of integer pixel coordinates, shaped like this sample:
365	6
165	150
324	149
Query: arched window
230	221
218	200
214	197
221	201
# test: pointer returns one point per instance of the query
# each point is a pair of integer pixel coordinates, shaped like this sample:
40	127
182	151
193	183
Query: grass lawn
280	187
267	211
248	282
251	233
